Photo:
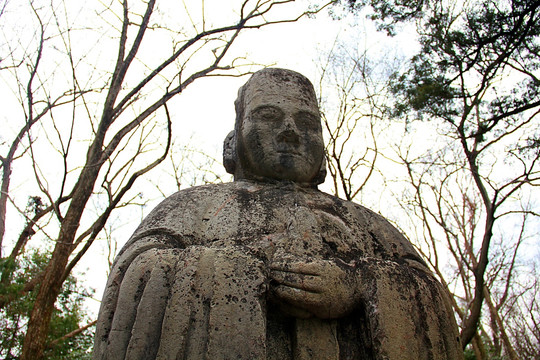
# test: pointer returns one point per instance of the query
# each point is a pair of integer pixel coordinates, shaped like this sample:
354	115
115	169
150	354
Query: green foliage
465	49
387	13
480	58
68	314
491	352
468	354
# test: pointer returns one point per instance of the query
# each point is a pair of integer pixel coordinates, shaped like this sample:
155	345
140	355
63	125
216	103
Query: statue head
278	134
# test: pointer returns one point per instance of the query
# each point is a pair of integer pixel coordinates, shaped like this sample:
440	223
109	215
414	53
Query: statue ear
229	152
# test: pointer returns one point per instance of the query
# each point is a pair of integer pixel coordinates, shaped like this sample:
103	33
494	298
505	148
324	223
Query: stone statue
268	267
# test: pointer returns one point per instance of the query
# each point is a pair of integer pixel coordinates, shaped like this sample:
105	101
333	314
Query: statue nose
289	135
289	132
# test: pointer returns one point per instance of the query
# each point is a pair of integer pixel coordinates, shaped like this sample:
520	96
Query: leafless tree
442	198
466	176
354	116
188	165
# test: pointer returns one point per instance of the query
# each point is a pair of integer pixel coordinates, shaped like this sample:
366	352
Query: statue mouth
287	150
289	153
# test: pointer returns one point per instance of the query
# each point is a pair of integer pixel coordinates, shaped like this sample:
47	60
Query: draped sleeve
172	293
408	312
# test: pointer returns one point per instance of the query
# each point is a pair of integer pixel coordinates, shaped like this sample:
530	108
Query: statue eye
308	121
268	114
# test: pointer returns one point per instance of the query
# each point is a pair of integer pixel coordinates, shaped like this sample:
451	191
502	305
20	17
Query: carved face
281	135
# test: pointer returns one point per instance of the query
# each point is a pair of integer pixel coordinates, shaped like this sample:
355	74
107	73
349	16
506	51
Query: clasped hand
319	288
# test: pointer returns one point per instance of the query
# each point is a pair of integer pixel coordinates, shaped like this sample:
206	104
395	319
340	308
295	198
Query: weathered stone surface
268	267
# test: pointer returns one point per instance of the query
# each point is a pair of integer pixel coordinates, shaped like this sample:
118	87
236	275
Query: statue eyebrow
308	112
277	108
267	106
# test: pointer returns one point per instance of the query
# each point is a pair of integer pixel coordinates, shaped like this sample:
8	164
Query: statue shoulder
381	232
197	193
180	214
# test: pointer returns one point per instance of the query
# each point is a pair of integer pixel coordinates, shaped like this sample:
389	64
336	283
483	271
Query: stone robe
193	283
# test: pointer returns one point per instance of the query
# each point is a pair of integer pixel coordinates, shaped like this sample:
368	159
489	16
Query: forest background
431	119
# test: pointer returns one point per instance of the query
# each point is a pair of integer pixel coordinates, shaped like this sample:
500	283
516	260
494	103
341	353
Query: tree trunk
495	314
38	325
6	173
478	348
